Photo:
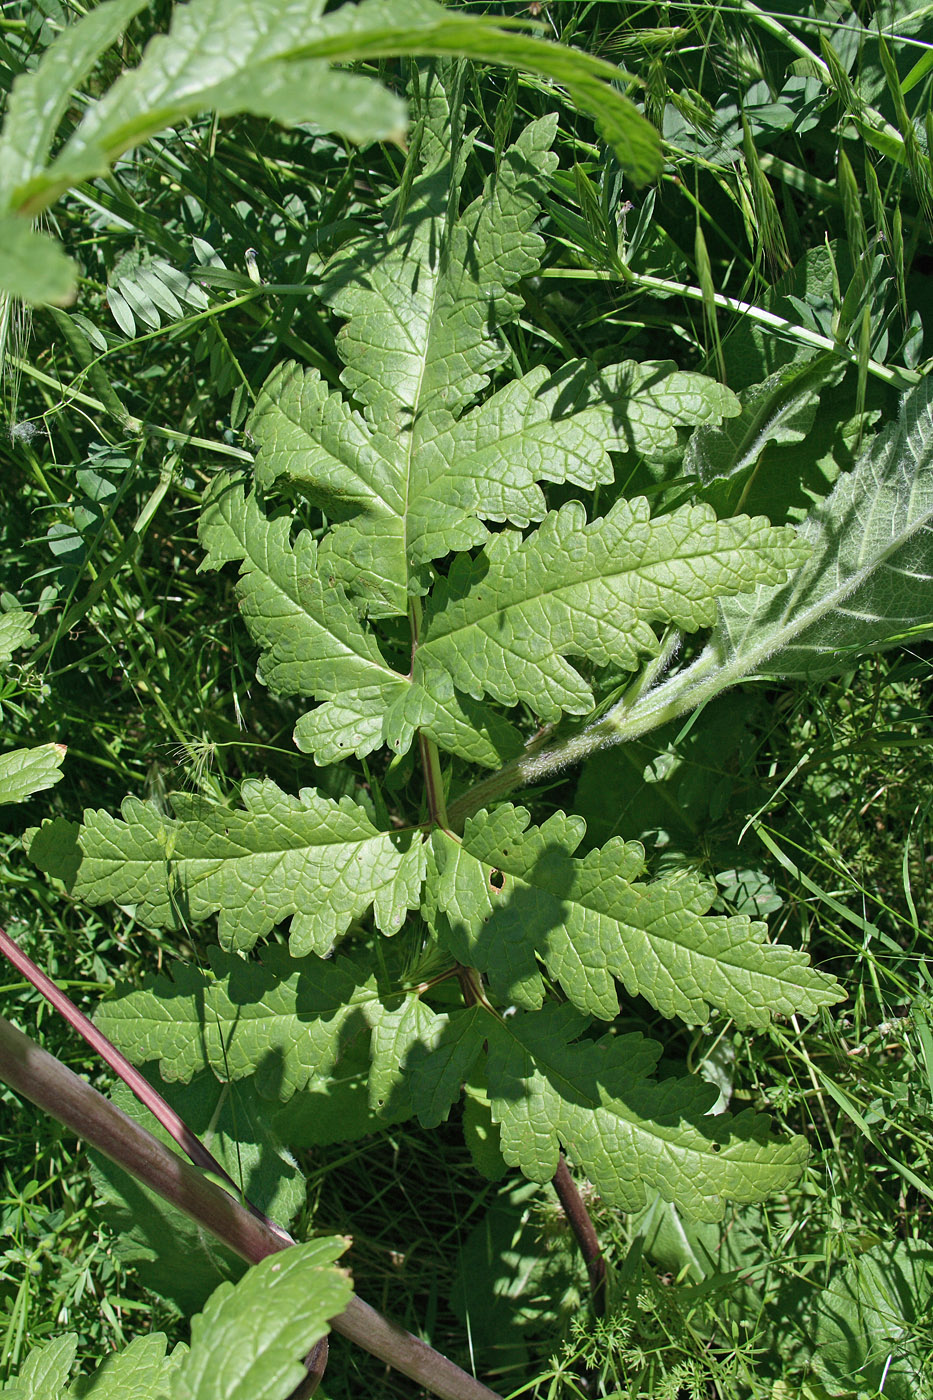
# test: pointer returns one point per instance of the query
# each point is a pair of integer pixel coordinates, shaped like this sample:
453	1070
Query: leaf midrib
478	617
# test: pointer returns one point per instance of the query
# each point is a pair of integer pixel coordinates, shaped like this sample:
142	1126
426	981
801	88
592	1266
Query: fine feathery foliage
433	448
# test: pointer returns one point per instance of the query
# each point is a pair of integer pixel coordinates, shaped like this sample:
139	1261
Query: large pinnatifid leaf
412	468
410	473
500	624
319	862
292	1023
512	894
288	1023
630	1133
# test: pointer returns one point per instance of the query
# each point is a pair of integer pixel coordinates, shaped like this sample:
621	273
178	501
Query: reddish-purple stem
582	1226
39	1077
175	1126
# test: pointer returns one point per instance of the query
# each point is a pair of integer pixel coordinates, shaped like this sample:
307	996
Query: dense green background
781	192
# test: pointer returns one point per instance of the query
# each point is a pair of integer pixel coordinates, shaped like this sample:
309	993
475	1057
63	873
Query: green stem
635	714
433	780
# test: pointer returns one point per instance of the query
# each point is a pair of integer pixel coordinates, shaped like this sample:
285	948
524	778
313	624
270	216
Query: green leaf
25	771
179	1259
44	1373
410	472
645	404
506	1284
249	1342
15	631
321	862
33	266
313	642
868	581
265	65
39	99
513	894
869	1322
54	848
779	412
296	1025
630	1134
502	623
275	61
142	1371
414	474
315	645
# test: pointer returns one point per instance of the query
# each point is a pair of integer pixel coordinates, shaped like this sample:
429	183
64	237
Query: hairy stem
39	1077
629	719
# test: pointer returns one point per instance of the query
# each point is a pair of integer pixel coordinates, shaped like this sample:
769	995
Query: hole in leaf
496	879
